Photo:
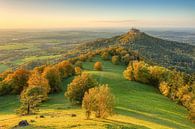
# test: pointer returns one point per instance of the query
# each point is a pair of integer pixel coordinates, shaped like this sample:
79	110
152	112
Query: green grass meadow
3	67
138	106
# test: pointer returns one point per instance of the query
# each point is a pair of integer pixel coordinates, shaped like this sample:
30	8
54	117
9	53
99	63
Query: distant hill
183	36
163	52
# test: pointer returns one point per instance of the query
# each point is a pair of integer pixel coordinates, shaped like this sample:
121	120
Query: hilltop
167	53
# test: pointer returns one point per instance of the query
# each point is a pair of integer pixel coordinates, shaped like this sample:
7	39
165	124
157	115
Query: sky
96	13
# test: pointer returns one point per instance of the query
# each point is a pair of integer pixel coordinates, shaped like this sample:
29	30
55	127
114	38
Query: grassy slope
137	106
3	67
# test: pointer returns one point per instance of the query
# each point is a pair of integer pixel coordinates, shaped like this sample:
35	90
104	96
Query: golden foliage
105	55
100	100
53	76
36	80
78	70
65	68
98	66
17	80
115	60
164	88
128	73
79	85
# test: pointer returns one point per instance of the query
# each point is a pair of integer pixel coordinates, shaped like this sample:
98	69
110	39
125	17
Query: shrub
53	76
105	56
128	74
100	100
98	66
78	70
30	99
115	60
164	88
77	88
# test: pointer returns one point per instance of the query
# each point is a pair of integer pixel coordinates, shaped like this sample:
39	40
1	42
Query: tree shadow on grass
113	124
154	118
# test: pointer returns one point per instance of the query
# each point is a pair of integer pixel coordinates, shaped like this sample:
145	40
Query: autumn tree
30	99
125	59
98	66
164	88
5	88
39	69
65	68
105	55
53	76
4	74
36	80
138	71
77	88
17	80
128	74
115	60
158	74
99	100
78	70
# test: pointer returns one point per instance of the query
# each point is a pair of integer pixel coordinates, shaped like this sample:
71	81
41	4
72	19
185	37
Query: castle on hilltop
134	30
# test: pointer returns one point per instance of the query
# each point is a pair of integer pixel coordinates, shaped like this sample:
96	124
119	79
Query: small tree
53	76
164	88
100	100
125	59
98	66
78	70
115	60
128	73
30	99
77	88
105	56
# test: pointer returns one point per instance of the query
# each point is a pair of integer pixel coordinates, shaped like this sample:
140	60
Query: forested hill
163	52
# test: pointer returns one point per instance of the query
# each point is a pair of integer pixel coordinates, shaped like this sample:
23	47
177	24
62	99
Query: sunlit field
137	106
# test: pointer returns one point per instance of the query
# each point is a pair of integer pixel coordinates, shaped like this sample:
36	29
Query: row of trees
119	55
171	83
35	85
